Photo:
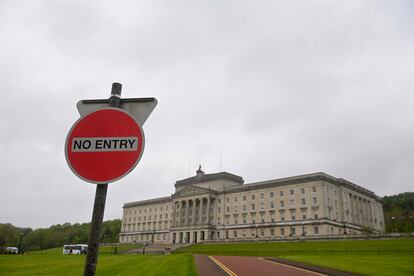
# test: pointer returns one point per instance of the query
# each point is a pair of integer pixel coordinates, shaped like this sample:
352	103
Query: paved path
206	267
247	266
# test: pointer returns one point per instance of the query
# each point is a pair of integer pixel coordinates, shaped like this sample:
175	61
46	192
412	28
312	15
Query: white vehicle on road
12	250
75	249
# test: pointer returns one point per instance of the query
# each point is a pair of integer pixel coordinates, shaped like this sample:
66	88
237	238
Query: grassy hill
52	262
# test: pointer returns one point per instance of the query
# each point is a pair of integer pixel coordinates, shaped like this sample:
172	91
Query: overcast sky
276	88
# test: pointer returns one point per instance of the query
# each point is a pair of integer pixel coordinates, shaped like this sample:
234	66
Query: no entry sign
104	146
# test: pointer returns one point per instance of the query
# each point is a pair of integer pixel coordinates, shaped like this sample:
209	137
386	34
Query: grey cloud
274	88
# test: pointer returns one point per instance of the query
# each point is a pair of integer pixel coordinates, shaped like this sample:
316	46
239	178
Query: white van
75	249
11	250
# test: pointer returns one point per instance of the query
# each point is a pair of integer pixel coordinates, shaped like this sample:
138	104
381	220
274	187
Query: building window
218	210
303	201
244	207
292	192
262	196
304	216
302	190
292	231
219	200
235	234
244	198
272	232
316	230
253	207
314	189
314	201
292	203
271	194
293	217
282	231
261	232
228	209
244	220
272	205
282	218
281	193
282	204
252	196
235	199
261	205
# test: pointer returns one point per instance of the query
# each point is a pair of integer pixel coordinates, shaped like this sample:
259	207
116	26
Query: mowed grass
52	262
102	250
368	257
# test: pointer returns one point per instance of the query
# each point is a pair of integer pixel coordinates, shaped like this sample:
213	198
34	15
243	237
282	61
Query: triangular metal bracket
139	108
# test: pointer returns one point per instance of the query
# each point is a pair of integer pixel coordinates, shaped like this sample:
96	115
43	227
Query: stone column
174	213
364	212
192	212
186	212
208	210
371	221
354	210
180	208
200	220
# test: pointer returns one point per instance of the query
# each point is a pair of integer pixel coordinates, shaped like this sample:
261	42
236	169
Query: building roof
202	177
164	199
319	176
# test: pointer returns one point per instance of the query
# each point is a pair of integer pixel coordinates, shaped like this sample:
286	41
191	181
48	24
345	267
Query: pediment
192	191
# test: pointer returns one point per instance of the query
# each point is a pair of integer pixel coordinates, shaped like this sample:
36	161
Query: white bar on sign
102	144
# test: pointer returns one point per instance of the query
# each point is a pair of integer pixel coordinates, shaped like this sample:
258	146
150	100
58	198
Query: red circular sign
104	146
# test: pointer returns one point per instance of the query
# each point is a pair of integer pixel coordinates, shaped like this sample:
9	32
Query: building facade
220	207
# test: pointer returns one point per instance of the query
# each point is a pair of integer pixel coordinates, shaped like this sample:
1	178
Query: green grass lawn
369	257
52	262
102	250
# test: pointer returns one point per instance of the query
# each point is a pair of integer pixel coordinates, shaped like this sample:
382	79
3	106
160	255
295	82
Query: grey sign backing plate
139	108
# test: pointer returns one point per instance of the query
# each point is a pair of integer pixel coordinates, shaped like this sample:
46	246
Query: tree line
399	213
56	235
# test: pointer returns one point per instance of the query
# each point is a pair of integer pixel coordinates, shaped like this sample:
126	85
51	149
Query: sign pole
99	204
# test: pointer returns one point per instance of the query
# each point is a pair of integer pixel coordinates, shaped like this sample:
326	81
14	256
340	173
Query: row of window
271	195
271	205
252	219
150	217
130	212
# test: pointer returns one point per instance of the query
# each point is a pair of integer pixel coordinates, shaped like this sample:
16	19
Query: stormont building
220	207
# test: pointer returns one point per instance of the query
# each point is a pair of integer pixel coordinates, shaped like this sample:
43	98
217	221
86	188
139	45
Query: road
245	266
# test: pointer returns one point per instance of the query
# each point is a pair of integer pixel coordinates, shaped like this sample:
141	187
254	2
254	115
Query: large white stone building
220	207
